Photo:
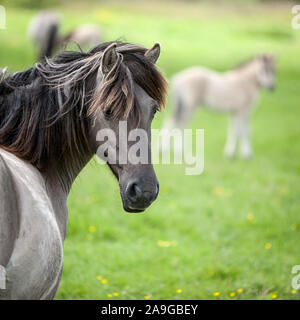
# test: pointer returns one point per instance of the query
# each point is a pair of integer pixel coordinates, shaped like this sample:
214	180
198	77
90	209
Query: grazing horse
85	35
235	92
50	118
44	31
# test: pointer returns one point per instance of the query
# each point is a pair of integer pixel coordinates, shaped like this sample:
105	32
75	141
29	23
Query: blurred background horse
45	31
235	92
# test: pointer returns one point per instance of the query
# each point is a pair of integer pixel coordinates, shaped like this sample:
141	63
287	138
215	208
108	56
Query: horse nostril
134	192
138	196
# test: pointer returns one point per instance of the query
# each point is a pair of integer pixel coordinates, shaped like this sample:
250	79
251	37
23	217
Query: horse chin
130	210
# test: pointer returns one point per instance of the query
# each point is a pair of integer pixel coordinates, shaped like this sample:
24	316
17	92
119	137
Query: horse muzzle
139	193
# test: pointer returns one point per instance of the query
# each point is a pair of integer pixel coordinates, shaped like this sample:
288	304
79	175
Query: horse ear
109	58
153	53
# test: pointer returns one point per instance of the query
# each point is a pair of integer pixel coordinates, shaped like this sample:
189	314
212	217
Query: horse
235	92
50	118
44	31
85	35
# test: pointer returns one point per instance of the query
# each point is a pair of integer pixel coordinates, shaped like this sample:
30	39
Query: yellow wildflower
162	243
216	294
250	216
92	229
172	205
268	246
293	227
220	191
105	16
164	190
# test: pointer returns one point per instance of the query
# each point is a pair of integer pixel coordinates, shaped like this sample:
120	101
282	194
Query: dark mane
46	112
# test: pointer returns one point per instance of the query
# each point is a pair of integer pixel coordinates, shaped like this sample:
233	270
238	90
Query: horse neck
57	181
246	76
58	189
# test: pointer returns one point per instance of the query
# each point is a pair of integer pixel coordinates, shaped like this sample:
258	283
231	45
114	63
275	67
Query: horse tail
178	102
172	122
50	42
178	106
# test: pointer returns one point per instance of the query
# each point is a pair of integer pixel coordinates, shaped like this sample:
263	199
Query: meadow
229	233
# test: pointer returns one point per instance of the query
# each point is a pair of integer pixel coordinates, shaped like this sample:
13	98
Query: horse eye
107	113
155	109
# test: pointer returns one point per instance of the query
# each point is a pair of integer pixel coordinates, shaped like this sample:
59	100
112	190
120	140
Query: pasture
230	233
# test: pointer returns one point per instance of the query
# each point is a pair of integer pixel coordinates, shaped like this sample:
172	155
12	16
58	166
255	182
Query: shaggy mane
46	112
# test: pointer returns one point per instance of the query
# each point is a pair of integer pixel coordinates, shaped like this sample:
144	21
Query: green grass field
237	225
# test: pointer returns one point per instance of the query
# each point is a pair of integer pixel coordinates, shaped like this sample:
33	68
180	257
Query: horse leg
232	137
245	143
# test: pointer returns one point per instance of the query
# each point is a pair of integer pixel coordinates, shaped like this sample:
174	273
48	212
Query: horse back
190	85
9	215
